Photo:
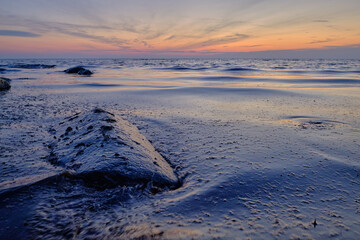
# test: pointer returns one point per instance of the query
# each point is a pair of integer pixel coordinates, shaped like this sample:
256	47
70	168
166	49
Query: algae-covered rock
101	147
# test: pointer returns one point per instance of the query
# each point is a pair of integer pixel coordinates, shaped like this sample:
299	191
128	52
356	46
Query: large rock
4	84
79	70
103	149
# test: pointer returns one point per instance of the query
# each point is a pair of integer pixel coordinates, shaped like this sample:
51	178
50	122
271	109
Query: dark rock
69	129
4	84
85	72
31	66
315	223
99	110
79	70
6	79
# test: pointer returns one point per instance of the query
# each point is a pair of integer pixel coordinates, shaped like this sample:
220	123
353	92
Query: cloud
88	31
252	46
321	21
227	39
113	41
45	27
154	52
321	41
171	37
218	41
13	33
357	45
221	25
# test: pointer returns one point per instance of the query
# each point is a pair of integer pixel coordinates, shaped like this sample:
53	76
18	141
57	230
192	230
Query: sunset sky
46	28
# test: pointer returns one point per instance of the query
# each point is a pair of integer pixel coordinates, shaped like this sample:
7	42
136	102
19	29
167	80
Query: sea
132	74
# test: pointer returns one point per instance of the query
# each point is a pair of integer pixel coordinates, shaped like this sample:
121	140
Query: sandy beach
182	149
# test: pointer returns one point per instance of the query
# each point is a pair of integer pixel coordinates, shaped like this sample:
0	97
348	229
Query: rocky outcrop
79	70
4	84
104	149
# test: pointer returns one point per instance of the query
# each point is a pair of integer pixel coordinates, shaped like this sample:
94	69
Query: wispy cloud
83	34
222	24
321	21
227	39
170	37
179	26
253	46
218	41
14	33
321	41
156	52
357	45
46	27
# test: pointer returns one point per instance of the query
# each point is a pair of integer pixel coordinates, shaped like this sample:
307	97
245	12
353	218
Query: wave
179	68
240	69
31	66
217	78
337	71
277	80
323	81
213	91
3	70
320	71
98	85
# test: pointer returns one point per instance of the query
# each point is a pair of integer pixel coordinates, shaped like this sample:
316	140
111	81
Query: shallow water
262	148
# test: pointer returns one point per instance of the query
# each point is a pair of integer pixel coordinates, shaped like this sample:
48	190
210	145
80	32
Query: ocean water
262	148
132	74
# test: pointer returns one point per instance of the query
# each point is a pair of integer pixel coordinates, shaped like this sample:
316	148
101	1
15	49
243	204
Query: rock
4	84
104	149
31	66
79	70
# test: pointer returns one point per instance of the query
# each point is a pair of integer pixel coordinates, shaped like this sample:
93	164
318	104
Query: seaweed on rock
105	150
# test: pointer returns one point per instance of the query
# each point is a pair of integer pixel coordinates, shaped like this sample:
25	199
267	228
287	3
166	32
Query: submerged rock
32	66
79	70
4	84
104	149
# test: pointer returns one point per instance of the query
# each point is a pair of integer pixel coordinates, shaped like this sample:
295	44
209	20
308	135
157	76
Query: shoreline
258	164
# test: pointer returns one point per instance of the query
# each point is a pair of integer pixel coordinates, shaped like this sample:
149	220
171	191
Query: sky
165	28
